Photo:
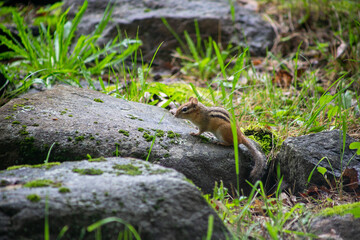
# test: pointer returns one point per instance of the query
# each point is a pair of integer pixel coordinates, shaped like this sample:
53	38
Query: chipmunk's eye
184	109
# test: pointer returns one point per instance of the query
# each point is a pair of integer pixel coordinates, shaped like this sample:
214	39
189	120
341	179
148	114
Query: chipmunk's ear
193	100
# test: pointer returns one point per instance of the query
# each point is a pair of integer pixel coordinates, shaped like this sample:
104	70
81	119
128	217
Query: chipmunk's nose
173	112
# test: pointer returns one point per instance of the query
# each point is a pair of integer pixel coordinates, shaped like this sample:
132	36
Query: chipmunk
217	121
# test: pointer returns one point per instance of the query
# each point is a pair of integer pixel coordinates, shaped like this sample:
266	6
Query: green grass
324	97
200	58
129	231
325	25
318	100
48	58
258	215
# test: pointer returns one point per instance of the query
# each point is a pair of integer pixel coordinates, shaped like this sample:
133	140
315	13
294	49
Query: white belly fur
218	135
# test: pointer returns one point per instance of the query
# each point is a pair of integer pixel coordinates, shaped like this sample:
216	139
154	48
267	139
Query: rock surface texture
156	201
336	227
299	155
144	17
80	122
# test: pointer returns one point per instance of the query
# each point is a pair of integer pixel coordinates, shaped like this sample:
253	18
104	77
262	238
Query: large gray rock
144	17
156	201
299	155
81	121
336	227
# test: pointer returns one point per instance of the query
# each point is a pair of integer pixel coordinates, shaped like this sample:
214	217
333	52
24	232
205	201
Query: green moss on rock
88	171
160	133
23	130
79	138
33	198
352	208
171	134
159	171
18	167
15	106
132	117
98	100
99	159
147	136
126	133
41	183
64	190
263	136
29	152
129	169
204	139
45	165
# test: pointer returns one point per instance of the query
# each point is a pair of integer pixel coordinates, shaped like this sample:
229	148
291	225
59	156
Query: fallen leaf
257	61
350	178
282	78
258	205
341	49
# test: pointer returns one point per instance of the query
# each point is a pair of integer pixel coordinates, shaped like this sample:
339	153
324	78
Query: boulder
299	155
27	2
158	202
78	122
144	18
336	227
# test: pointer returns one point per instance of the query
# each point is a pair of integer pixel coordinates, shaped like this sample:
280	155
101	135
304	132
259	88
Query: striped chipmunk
217	121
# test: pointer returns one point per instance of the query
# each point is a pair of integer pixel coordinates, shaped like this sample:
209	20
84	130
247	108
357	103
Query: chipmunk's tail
259	158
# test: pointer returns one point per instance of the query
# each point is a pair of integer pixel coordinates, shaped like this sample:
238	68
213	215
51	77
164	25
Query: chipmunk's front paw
222	143
194	134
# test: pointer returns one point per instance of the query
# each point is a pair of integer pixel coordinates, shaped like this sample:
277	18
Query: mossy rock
41	183
33	198
352	208
88	171
266	138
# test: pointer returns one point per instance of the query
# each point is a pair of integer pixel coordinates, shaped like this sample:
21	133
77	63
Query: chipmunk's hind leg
224	134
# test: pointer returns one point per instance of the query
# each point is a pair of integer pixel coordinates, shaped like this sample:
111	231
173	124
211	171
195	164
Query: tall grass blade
236	146
74	23
152	60
104	221
46	223
220	59
197	94
48	155
24	36
59	37
62	232
104	20
324	100
198	38
296	64
210	227
191	46
176	36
